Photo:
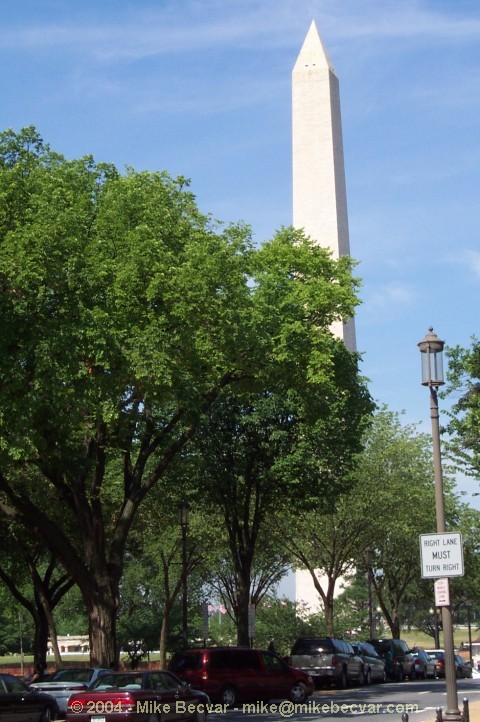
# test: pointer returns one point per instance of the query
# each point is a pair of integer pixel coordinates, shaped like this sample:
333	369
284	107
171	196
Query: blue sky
202	88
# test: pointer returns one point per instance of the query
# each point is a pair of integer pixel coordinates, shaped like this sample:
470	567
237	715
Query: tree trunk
40	642
164	636
328	612
395	627
243	601
102	615
45	611
54	640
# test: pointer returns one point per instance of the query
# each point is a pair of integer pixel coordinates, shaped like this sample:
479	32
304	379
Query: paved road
384	702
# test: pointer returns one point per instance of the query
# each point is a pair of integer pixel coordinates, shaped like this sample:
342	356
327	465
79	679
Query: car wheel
298	693
200	716
47	715
367	677
398	674
228	696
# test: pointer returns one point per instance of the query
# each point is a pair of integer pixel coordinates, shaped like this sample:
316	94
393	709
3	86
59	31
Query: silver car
327	659
67	681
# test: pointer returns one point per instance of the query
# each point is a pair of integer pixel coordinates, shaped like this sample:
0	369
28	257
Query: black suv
327	659
399	661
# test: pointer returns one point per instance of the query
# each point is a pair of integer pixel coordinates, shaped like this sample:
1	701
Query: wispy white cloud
384	298
192	26
393	19
467	259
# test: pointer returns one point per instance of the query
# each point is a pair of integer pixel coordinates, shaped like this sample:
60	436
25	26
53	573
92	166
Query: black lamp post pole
431	348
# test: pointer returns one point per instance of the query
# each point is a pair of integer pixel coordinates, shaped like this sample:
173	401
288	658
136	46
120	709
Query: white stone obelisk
319	192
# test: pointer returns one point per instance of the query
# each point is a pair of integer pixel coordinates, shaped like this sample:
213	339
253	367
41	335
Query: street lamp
183	519
431	349
368	564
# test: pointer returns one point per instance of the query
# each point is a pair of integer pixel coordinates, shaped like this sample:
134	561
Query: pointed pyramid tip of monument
313	50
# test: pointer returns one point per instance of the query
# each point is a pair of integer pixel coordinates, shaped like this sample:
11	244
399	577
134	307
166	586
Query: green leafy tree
266	454
71	614
154	573
390	505
396	490
326	544
125	316
35	581
463	441
466	589
278	622
17	632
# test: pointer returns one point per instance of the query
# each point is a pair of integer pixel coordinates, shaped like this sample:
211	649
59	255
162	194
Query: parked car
231	674
423	664
373	664
438	658
327	659
462	667
65	681
137	697
397	656
19	702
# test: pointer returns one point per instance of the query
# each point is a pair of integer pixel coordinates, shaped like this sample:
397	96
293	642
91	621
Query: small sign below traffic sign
442	593
441	555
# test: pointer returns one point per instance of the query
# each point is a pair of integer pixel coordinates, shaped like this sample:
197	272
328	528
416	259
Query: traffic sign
441	555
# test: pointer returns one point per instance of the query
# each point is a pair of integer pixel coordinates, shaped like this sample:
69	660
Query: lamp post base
453	716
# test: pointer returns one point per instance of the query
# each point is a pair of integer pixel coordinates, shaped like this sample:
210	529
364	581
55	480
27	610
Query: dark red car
139	696
239	674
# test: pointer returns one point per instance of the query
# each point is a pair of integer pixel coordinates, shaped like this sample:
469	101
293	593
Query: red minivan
238	674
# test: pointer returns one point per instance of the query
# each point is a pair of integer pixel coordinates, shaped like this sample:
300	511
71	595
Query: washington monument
319	193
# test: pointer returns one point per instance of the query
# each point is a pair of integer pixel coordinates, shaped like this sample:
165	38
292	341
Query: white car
67	681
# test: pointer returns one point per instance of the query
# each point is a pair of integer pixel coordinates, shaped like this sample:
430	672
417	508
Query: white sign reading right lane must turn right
441	555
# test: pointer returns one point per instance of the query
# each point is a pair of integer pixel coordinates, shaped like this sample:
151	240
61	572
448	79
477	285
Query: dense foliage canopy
126	314
463	443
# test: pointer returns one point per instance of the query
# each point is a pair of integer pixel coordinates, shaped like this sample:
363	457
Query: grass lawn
412	638
10	659
420	639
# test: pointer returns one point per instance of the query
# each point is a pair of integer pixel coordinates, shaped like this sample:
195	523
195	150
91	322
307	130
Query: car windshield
366	648
118	681
12	684
313	646
436	655
381	647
